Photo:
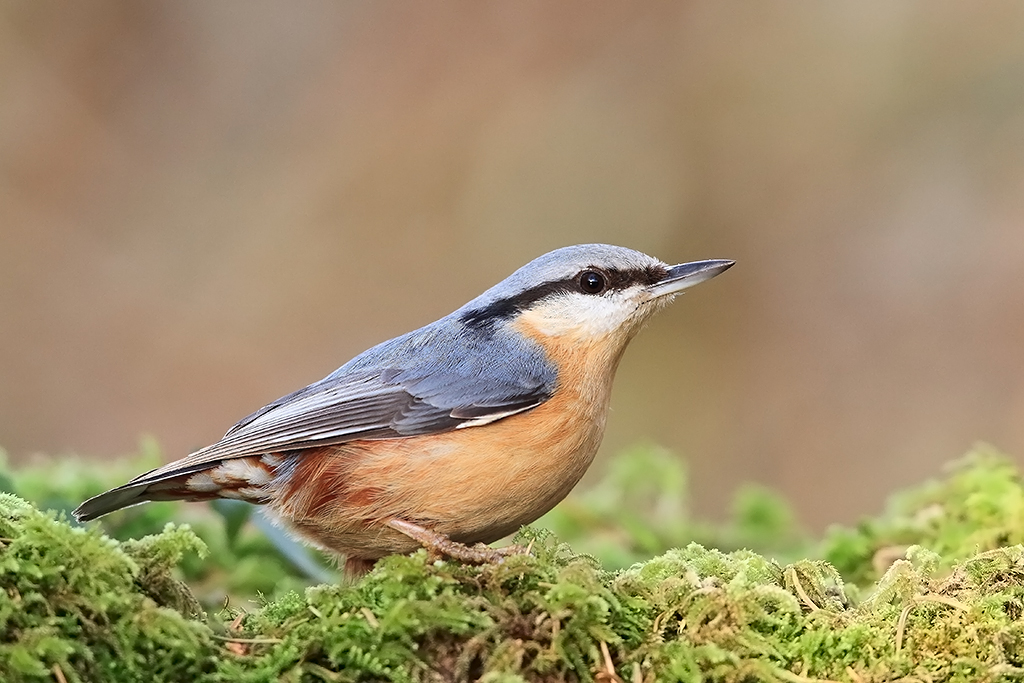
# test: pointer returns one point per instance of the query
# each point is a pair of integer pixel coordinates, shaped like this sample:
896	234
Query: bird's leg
356	567
439	544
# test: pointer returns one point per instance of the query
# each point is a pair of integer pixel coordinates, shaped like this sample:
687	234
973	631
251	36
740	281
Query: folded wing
360	403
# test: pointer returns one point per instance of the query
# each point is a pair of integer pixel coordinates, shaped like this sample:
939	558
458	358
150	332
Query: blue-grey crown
558	271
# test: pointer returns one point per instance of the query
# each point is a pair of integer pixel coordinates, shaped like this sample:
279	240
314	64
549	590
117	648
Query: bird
449	437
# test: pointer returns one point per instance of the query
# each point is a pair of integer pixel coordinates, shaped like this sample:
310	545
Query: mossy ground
932	589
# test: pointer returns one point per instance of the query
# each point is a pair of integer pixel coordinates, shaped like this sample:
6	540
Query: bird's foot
356	567
438	544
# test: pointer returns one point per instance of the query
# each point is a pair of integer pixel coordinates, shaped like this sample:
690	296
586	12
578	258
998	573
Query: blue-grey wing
423	383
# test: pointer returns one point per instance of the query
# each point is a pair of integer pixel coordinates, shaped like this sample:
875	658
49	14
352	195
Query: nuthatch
455	434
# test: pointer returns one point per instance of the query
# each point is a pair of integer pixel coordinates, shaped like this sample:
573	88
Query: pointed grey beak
686	275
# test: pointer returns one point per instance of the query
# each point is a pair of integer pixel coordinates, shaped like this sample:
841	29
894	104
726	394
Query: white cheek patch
583	315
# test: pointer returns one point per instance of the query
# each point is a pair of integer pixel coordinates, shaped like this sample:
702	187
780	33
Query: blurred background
204	206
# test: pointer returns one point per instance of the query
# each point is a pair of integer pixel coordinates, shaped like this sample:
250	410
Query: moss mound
78	606
946	604
977	506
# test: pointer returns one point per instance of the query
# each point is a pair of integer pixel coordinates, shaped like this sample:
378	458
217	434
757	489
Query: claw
439	544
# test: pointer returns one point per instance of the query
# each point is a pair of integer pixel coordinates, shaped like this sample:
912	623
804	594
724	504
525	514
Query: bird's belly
477	484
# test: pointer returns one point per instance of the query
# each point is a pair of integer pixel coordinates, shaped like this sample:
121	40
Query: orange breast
474	484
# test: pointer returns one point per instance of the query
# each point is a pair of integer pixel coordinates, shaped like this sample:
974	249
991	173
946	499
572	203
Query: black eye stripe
621	279
504	309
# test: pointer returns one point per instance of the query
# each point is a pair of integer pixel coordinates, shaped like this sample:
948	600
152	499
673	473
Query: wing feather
435	379
441	377
361	408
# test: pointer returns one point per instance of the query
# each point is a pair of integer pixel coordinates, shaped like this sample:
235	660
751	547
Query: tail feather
242	479
114	499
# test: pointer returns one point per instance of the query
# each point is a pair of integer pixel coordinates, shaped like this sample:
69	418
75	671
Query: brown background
206	205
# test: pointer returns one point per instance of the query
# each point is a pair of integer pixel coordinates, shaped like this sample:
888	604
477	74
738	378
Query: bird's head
586	293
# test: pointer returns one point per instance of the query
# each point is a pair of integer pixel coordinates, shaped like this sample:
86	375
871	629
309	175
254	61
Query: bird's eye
591	282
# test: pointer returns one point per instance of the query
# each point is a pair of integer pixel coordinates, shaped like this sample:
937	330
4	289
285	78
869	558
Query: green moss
415	619
977	506
247	555
76	601
950	606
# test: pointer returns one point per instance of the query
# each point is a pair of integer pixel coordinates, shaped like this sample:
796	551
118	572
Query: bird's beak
686	275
